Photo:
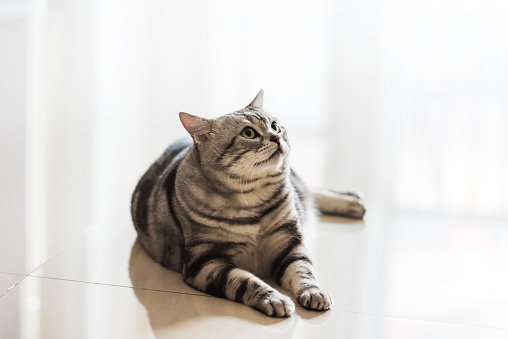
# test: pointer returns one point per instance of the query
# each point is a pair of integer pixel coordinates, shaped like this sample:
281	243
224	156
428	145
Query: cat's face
247	143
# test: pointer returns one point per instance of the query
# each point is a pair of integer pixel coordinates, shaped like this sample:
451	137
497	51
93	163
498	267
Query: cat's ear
258	100
198	128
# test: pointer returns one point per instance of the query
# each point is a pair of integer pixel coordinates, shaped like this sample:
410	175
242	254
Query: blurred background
404	100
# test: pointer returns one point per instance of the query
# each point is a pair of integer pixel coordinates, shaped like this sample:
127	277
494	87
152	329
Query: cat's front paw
315	299
275	304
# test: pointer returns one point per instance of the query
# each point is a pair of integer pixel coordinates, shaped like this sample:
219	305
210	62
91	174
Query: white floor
402	276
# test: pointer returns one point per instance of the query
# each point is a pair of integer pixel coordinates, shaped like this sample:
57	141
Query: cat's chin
273	158
273	163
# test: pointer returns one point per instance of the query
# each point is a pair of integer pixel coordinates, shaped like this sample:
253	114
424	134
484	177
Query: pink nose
275	138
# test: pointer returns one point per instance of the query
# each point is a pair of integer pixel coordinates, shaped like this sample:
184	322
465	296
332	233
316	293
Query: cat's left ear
258	100
199	128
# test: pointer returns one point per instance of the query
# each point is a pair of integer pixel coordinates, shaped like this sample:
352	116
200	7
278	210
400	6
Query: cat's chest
257	249
248	258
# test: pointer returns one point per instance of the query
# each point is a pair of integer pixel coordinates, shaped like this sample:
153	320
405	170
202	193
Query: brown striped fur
227	211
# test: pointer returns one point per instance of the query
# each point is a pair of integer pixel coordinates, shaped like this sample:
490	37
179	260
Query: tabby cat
225	209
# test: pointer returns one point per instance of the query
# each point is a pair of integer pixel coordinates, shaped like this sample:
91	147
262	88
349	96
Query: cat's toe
315	299
276	305
356	209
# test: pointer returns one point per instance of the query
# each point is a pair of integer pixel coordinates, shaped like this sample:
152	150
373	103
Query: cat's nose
275	138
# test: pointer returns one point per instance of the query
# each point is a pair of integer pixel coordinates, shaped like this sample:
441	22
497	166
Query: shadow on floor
166	308
179	303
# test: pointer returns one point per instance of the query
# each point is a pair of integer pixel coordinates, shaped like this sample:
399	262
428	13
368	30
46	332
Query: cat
225	209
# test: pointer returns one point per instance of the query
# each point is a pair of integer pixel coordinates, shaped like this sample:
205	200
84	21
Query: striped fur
227	212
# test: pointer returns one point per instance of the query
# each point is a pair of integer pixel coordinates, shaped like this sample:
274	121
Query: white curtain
446	65
404	100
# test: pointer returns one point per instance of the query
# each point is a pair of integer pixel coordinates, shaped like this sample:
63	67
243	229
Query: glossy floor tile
7	281
420	267
49	308
10	321
108	253
410	266
9	305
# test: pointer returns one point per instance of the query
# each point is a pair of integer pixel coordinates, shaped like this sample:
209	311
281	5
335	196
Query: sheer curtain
446	78
108	80
404	100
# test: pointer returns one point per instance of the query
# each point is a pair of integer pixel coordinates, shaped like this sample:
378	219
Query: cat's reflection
169	301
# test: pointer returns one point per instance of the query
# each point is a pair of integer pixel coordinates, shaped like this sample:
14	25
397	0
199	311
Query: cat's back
167	162
157	231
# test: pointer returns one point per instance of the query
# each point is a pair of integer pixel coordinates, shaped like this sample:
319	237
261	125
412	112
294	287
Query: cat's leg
293	270
219	277
346	203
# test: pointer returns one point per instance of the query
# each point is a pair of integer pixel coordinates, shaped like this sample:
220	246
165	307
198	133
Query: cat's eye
249	133
275	127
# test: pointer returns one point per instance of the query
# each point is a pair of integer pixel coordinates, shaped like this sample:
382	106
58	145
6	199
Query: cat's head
246	142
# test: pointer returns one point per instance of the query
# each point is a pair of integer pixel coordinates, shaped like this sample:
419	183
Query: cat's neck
223	182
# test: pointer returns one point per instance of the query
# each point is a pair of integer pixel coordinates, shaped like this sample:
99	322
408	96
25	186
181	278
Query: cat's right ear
198	128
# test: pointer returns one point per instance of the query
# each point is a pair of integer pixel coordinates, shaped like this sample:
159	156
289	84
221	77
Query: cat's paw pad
275	304
315	299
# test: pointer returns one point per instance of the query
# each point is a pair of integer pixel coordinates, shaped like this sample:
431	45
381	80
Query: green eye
249	133
275	127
